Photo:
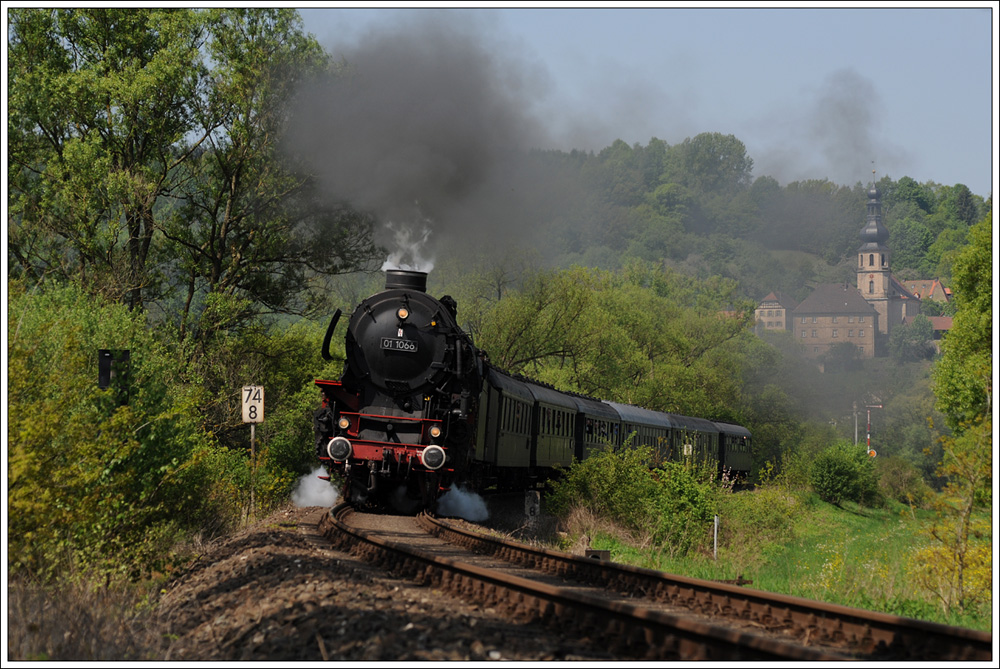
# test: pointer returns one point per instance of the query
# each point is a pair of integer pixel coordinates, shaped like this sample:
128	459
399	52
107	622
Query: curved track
630	627
853	632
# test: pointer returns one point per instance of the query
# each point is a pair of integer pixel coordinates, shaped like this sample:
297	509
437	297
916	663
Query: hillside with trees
153	208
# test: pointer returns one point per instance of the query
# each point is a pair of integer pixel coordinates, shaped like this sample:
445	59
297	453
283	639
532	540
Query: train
419	409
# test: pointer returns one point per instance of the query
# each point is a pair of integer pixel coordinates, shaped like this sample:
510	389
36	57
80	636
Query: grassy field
852	556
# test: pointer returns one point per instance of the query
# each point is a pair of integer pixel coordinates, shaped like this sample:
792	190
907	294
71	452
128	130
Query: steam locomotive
419	408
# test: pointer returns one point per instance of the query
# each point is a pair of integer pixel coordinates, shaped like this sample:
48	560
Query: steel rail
871	634
624	627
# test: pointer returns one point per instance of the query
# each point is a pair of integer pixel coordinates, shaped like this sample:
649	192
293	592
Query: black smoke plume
426	125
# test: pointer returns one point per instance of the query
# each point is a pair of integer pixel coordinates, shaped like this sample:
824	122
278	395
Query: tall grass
79	619
783	539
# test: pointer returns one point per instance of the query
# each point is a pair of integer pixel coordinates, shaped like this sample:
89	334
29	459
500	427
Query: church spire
874	274
874	234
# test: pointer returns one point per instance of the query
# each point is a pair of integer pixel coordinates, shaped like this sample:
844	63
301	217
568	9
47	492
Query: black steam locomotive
419	409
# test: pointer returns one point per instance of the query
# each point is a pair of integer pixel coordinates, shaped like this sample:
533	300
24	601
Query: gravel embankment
277	592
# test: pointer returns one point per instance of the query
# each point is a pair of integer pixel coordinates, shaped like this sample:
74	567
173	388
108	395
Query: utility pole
870	407
855	422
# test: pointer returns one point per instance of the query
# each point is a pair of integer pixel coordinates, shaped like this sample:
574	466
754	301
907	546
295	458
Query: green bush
755	518
91	480
667	506
899	480
612	485
845	473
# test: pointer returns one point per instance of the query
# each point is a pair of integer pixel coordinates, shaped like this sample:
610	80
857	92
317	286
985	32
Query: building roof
835	298
781	299
927	288
939	323
902	291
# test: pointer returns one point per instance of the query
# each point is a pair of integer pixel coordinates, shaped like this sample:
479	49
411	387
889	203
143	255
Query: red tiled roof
937	322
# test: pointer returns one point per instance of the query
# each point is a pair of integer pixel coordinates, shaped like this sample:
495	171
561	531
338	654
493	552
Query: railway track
636	613
851	632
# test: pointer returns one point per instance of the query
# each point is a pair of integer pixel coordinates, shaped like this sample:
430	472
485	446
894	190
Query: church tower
874	275
875	281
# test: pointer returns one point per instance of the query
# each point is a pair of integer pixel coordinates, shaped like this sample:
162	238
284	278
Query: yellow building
836	313
775	312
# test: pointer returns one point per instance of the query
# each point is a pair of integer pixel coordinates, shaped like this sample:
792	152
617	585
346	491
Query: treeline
698	206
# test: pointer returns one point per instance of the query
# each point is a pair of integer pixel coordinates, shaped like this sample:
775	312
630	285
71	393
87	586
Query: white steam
314	491
461	503
409	248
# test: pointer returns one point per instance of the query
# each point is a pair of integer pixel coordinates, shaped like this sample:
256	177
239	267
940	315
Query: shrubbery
753	520
668	506
90	479
844	473
901	481
114	487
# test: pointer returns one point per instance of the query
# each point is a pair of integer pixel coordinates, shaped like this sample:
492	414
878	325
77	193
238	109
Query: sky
831	93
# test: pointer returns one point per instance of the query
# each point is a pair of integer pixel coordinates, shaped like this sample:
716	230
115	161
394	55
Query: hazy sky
812	93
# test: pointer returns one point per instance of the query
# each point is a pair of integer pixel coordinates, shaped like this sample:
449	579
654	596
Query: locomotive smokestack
405	278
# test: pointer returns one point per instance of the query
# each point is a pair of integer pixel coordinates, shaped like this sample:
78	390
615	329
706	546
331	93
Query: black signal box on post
112	372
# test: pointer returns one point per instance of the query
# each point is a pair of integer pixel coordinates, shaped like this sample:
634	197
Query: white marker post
253	413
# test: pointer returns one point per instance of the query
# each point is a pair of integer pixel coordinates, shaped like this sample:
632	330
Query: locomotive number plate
390	344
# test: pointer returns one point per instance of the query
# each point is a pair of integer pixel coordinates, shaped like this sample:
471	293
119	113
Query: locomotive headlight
403	313
339	448
432	457
435	431
344	423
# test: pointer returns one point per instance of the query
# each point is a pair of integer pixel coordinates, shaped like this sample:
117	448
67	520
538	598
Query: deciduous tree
956	564
99	117
144	157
